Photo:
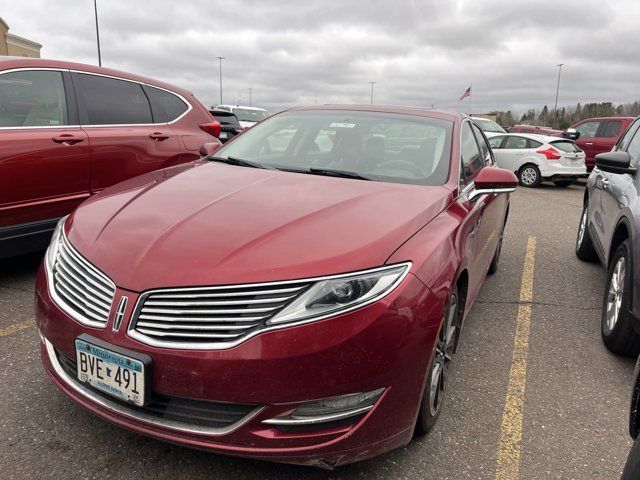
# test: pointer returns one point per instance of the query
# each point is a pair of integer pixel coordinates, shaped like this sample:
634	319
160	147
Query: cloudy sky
291	52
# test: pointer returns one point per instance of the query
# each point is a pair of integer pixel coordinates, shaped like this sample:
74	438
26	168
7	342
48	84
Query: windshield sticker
342	125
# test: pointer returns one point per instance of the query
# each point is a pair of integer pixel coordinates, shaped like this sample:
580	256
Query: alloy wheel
528	176
444	354
615	293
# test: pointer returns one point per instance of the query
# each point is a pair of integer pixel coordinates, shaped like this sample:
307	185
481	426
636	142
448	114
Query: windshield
246	115
381	146
489	126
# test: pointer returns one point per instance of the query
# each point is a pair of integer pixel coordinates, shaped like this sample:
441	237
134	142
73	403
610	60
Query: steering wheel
404	165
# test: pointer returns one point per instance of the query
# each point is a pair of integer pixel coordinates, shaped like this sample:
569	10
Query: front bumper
384	345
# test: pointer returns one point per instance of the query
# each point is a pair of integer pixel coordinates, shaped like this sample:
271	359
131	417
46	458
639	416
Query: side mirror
615	162
493	180
571	133
209	148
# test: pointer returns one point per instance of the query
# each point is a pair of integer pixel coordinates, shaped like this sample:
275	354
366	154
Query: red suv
69	130
597	135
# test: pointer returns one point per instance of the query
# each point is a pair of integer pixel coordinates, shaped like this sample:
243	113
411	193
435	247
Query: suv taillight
550	153
212	128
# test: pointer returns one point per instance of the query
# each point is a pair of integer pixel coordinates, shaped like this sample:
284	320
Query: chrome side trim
290	421
131	332
489	191
60	127
138	415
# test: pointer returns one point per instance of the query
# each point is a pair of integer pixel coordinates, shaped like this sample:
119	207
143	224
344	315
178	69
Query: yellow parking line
17	327
508	461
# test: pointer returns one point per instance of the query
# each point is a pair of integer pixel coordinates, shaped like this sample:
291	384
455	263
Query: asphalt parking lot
568	421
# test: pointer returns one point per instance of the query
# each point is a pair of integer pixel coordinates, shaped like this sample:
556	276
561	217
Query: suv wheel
617	323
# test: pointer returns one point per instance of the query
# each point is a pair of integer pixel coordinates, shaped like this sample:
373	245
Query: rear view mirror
615	162
493	180
571	133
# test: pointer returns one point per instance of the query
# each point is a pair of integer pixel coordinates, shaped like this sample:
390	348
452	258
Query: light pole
372	84
250	90
555	108
220	58
95	8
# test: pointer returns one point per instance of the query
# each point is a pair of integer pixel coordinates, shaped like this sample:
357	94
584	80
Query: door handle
158	136
589	143
68	139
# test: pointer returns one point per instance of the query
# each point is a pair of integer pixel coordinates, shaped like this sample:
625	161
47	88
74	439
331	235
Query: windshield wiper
340	173
237	161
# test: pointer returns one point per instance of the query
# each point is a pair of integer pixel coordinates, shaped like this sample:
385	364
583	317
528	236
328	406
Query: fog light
329	409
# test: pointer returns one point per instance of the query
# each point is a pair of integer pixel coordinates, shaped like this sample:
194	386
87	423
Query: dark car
597	135
69	130
608	231
230	126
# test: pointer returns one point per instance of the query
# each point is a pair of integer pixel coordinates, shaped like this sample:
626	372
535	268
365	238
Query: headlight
52	251
338	294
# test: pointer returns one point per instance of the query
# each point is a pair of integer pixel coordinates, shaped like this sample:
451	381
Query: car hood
213	224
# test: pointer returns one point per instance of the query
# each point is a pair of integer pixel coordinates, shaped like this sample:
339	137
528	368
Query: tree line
567	116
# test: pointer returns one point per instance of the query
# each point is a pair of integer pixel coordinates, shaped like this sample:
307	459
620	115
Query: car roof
241	106
7	63
418	111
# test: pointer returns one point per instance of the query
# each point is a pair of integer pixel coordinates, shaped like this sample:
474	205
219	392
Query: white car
489	127
247	116
534	158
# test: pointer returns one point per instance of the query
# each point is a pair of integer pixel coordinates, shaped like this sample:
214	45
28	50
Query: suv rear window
565	146
225	118
109	101
165	105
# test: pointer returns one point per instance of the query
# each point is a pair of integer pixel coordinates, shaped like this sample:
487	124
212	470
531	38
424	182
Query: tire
493	266
563	183
617	323
432	396
529	176
584	245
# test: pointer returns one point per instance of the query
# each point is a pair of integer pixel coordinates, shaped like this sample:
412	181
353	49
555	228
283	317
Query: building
16	46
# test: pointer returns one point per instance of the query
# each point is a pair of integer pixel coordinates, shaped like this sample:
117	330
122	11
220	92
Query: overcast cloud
291	52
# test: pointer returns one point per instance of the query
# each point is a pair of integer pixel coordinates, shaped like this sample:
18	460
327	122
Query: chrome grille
208	317
82	290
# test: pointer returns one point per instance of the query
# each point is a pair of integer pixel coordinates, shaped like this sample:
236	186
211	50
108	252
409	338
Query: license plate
118	375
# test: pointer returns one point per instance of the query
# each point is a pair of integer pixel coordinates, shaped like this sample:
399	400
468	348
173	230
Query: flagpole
470	92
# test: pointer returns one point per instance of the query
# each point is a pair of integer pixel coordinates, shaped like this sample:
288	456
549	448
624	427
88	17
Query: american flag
467	93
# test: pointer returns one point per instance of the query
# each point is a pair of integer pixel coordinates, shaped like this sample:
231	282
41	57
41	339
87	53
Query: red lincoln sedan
296	297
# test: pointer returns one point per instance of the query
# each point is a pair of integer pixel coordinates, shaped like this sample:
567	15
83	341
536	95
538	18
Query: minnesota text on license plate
115	374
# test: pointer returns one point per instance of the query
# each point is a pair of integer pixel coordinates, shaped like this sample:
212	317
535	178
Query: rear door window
165	106
32	98
533	143
110	101
610	129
